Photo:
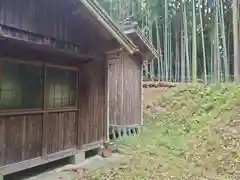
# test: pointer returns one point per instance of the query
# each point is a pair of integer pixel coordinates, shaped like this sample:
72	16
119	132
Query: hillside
192	132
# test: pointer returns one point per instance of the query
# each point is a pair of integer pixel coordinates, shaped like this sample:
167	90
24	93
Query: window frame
45	84
43	108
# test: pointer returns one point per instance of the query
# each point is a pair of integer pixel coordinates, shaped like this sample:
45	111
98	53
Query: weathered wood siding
32	137
59	19
49	18
22	136
60	131
124	90
92	103
43	134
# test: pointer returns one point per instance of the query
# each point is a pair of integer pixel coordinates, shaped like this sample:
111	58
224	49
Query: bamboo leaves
197	38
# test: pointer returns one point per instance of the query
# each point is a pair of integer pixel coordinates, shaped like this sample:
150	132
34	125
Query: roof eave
151	48
152	52
99	13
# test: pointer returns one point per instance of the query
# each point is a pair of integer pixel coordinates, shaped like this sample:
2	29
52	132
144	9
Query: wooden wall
92	102
46	133
49	18
60	19
32	135
124	90
20	138
24	137
60	131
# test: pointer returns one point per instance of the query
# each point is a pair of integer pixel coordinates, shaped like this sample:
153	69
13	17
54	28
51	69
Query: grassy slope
194	135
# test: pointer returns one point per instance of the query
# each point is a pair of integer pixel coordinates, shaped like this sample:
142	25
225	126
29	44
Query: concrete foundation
78	158
82	155
65	172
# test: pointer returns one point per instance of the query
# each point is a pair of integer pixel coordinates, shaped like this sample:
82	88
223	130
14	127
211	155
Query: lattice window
61	88
20	86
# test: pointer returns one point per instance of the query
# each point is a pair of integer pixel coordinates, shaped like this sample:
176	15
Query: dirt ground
150	94
52	172
195	137
62	170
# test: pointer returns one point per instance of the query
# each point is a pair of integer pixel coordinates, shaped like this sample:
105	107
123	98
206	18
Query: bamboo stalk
194	45
225	56
186	41
203	43
182	46
158	48
235	39
170	52
166	40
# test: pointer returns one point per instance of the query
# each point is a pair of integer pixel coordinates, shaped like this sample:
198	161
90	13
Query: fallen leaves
194	136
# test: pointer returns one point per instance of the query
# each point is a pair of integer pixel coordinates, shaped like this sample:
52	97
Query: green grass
195	137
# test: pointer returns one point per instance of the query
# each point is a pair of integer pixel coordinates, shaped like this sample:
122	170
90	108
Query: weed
196	137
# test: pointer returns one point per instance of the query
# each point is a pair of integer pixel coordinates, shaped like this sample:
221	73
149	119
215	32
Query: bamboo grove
198	39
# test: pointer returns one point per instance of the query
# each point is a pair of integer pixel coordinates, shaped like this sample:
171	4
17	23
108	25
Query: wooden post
78	111
141	79
108	84
44	133
81	100
1	75
107	94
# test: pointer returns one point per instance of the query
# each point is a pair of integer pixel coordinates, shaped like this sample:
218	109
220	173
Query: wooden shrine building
125	83
53	79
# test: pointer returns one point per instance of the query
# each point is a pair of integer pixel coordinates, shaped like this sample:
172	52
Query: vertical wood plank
44	134
122	94
44	116
2	141
69	130
33	136
92	103
81	98
23	137
106	126
24	141
119	91
14	148
61	129
77	115
126	73
142	89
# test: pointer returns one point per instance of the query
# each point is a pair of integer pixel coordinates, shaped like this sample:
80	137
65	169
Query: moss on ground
194	134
